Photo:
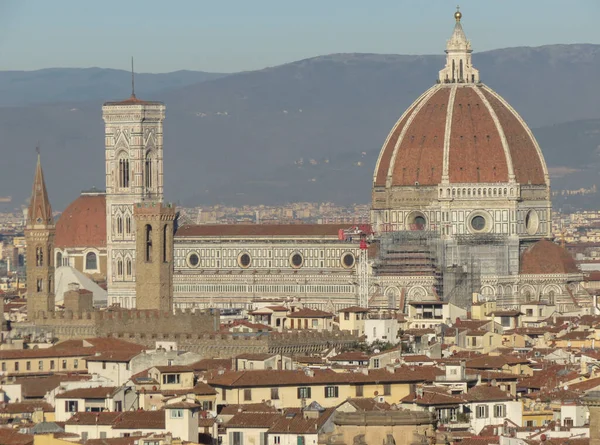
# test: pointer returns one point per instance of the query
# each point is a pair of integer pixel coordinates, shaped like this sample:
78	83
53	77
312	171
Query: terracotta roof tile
9	436
83	223
310	313
487	393
249	407
272	230
253	420
545	257
100	392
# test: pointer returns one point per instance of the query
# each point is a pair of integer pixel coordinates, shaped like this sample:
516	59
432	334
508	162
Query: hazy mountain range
309	130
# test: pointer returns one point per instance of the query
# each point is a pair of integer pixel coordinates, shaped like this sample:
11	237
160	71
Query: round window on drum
296	260
348	260
193	259
244	260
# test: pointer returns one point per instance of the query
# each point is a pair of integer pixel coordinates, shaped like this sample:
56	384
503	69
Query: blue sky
235	35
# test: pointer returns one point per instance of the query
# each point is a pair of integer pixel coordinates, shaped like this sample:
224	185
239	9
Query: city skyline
221	38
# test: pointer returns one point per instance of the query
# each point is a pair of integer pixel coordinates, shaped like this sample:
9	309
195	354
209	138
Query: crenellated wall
67	325
230	345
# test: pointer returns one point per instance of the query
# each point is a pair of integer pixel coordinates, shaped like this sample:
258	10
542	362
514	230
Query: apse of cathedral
461	212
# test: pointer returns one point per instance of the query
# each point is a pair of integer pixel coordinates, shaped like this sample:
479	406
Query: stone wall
230	345
192	331
68	325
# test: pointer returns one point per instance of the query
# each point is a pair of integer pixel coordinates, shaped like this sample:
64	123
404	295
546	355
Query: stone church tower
39	237
154	261
134	174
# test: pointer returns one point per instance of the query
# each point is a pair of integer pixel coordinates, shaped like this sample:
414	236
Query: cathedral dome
457	134
460	132
83	223
546	257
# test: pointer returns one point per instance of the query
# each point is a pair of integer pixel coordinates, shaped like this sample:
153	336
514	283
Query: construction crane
363	272
360	231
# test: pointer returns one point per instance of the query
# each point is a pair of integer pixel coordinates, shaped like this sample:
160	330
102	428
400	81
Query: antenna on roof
132	79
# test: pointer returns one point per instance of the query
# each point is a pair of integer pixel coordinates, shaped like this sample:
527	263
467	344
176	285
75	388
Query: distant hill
308	130
22	88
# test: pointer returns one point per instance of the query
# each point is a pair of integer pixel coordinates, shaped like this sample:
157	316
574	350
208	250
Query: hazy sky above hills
235	35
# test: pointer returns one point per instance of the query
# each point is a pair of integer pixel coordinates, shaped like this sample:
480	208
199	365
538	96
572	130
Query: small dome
83	223
546	257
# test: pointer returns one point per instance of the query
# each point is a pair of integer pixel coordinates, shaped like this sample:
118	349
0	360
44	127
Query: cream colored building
294	389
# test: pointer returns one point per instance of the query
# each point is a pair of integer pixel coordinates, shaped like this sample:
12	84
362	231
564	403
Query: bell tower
134	174
154	256
39	238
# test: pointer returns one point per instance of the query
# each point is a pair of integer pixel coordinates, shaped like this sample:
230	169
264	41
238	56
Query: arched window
128	224
120	268
59	259
123	173
39	256
119	225
148	171
165	246
148	242
128	267
460	75
91	261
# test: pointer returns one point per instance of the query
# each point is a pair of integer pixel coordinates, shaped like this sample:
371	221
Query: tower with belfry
39	236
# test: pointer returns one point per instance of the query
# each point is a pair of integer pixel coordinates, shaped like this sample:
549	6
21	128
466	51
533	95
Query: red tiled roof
255	356
136	420
546	257
211	363
37	387
100	392
248	407
310	313
253	420
354	309
25	407
476	152
83	223
175	368
487	393
9	436
350	356
274	230
320	377
432	398
132	100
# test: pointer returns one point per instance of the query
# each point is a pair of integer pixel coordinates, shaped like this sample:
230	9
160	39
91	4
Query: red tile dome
460	133
546	257
83	223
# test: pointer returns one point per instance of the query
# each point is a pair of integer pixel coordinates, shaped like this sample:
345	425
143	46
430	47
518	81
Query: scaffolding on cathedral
469	257
410	253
